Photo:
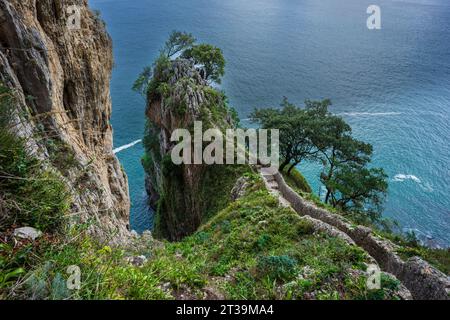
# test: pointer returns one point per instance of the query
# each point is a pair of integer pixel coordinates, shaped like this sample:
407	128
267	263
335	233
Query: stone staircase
421	279
273	187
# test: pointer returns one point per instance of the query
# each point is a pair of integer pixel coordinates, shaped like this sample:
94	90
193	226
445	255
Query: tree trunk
291	167
327	197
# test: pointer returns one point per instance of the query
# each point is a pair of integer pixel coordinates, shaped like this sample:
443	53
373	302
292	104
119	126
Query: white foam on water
402	177
370	114
127	146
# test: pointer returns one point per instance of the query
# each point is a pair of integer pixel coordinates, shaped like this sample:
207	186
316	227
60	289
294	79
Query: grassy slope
297	181
253	249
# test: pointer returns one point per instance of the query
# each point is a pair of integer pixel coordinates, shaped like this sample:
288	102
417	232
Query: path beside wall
422	280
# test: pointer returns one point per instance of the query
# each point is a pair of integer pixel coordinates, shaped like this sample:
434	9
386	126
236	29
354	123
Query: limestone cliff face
61	77
181	194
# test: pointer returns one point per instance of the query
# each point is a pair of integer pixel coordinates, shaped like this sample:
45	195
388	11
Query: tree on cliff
337	149
210	58
181	45
315	134
141	84
356	188
298	128
178	42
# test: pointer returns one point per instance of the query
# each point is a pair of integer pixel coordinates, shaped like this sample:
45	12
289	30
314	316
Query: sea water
392	85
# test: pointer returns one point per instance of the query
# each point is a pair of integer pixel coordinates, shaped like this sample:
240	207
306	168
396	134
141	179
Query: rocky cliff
61	77
182	195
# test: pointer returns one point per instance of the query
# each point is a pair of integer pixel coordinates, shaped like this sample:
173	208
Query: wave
371	114
403	177
127	146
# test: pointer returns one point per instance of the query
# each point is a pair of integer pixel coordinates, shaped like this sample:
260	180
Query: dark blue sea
392	85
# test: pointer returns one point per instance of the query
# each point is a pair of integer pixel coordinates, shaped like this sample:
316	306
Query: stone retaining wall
424	281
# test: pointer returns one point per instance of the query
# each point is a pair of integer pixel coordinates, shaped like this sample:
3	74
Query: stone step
269	178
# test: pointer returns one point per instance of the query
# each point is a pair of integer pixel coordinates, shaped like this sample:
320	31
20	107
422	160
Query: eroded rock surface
61	79
179	193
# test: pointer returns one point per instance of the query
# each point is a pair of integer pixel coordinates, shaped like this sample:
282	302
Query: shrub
263	241
277	267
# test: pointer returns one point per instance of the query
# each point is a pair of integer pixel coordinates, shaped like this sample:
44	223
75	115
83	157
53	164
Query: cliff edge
60	76
183	195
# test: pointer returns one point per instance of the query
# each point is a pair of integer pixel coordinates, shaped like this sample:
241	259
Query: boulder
137	261
28	233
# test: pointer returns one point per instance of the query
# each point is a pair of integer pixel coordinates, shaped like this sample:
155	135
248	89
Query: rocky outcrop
422	280
61	78
178	97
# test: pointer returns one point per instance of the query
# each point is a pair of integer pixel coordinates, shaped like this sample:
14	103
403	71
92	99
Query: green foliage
298	127
263	242
151	145
12	263
440	258
350	184
142	82
215	110
218	180
209	61
277	267
252	249
297	181
105	274
210	58
177	200
269	246
389	285
360	189
150	79
178	42
313	133
61	155
32	195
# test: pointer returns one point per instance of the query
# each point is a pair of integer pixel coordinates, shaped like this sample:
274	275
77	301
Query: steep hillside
252	249
60	81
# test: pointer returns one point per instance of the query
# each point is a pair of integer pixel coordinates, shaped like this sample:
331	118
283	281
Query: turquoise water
392	85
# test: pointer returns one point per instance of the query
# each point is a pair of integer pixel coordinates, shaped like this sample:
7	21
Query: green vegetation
183	204
30	195
252	249
210	58
277	267
409	245
218	181
354	189
298	129
177	42
440	258
315	134
296	181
